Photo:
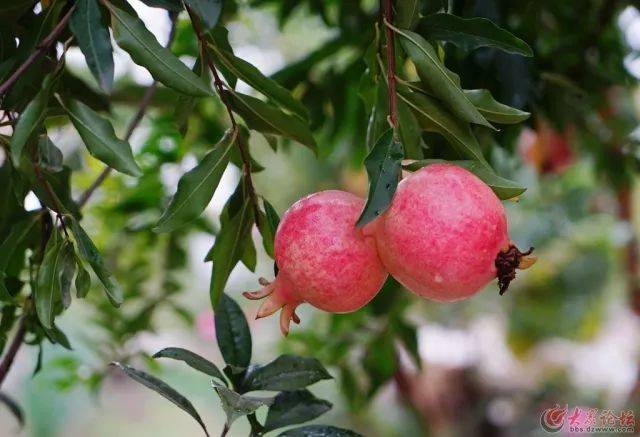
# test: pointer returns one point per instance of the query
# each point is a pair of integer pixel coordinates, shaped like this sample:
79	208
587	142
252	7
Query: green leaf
253	77
232	333
267	119
268	225
236	405
163	389
229	245
131	34
383	167
503	188
249	256
193	360
433	72
13	407
17	234
433	118
494	110
67	270
5	296
379	361
92	34
98	135
83	280
407	13
30	121
170	5
90	254
48	284
49	156
293	407
207	10
287	372
410	132
197	186
319	431
471	33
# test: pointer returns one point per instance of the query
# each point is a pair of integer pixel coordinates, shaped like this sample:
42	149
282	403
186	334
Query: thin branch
14	347
220	86
42	47
387	16
133	124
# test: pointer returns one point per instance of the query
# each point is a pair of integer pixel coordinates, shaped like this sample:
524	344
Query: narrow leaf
90	254
293	407
193	360
83	280
67	270
48	284
100	138
433	72
30	122
410	132
197	186
319	431
131	34
267	119
207	10
163	389
232	333
253	77
92	34
504	188
13	407
268	225
383	166
287	372
236	405
494	110
18	233
471	33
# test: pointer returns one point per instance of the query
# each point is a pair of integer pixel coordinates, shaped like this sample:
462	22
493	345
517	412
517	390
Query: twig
42	47
219	86
387	17
7	361
133	124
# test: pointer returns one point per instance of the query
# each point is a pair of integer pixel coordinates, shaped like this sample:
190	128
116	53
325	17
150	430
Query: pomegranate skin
323	259
442	233
329	261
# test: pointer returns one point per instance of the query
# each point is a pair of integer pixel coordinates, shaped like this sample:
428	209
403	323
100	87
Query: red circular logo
552	419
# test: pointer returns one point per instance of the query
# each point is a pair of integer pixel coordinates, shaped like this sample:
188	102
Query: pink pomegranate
323	259
444	237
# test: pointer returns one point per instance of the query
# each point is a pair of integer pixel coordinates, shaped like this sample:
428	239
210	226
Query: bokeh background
567	331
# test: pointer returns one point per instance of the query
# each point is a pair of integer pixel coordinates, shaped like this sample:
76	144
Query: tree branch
42	47
7	361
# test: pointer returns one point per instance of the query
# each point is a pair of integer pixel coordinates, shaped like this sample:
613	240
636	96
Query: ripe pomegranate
323	259
444	237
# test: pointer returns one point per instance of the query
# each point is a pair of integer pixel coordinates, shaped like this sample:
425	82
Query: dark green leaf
49	156
236	405
253	77
30	121
98	135
232	333
193	360
83	280
90	254
433	118
196	187
408	335
268	225
163	389
48	284
18	233
494	110
410	132
56	336
170	5
433	72
132	35
504	188
207	10
379	361
249	256
92	35
229	245
67	270
13	407
383	167
287	372
407	13
267	119
5	296
293	407
318	431
471	33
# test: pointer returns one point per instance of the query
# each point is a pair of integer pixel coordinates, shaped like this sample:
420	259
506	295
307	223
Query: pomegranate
444	237
323	259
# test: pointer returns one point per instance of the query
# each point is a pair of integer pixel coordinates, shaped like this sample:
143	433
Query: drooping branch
42	47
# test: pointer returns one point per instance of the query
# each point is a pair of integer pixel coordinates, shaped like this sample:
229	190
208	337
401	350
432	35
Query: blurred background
567	332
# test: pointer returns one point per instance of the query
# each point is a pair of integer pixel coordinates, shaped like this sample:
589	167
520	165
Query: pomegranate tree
323	259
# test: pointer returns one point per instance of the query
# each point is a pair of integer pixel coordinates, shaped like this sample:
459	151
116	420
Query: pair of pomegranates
444	237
